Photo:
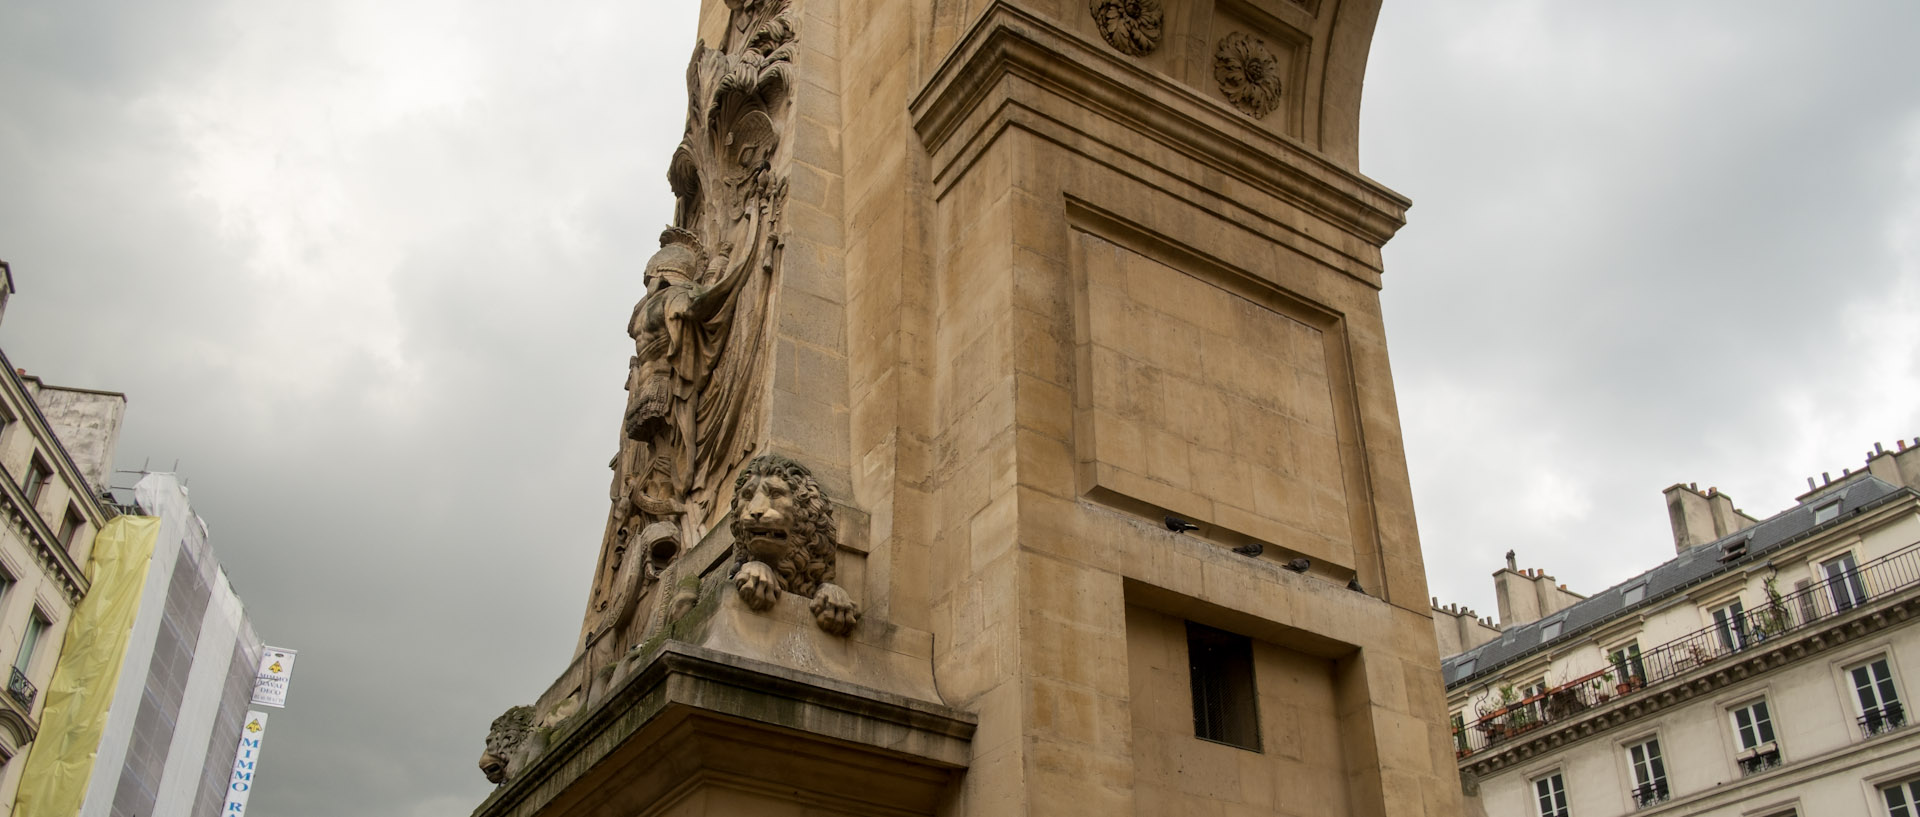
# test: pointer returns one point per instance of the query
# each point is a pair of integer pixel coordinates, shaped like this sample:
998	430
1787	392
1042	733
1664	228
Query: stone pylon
1010	431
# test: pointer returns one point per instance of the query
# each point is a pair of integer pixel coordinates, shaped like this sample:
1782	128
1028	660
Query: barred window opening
1224	705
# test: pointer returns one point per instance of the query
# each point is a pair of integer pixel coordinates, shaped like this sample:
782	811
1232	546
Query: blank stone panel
1201	402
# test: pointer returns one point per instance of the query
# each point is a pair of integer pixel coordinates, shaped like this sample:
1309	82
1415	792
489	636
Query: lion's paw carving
759	586
834	610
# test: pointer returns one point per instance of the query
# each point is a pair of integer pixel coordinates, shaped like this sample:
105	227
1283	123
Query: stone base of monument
752	720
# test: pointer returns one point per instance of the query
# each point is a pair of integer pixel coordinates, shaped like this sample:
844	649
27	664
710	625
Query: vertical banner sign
241	783
276	671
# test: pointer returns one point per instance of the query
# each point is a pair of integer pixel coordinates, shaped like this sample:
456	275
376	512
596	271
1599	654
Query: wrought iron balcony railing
1780	615
1759	761
1648	794
1882	720
22	689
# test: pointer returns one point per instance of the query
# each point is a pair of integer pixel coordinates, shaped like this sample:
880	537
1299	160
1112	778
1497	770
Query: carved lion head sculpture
780	518
502	759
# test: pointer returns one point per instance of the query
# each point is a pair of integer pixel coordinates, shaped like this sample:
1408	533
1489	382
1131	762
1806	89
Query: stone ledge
695	717
1010	42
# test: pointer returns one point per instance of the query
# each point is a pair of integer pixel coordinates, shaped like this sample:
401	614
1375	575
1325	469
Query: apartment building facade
1765	671
52	511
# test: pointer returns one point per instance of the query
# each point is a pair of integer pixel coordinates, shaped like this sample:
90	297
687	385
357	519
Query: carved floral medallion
1130	26
1248	73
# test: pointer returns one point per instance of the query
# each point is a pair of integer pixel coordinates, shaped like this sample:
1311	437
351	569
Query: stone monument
1009	431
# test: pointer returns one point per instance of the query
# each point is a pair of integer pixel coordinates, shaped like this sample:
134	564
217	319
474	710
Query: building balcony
1759	760
1650	794
22	690
1783	629
1882	720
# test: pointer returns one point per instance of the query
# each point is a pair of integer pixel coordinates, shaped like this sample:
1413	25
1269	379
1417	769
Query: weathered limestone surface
1049	271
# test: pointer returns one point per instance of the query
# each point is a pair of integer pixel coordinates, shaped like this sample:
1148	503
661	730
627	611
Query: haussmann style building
1009	431
56	452
1765	671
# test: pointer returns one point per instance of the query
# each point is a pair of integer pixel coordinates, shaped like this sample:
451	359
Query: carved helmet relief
1130	26
1248	73
695	408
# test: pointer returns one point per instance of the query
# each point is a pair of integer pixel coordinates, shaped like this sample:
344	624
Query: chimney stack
1529	595
1699	518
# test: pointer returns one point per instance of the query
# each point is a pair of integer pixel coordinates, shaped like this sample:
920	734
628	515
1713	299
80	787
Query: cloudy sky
363	269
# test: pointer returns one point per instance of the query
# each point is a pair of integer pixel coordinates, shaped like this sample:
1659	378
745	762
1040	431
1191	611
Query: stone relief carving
785	540
693	384
1248	73
503	756
694	392
1131	26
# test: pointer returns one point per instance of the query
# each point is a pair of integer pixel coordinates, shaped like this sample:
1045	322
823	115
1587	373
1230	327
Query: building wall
177	728
1096	348
1830	766
42	573
87	423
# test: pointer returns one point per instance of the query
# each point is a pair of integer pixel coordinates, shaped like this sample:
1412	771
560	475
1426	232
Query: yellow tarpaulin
55	780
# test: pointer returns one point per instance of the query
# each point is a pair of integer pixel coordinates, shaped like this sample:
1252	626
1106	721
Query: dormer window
1635	594
1826	513
1551	629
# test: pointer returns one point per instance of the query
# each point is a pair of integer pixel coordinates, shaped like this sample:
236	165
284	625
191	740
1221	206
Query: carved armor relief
694	383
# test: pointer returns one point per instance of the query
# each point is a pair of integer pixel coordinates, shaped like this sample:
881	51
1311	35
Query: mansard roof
1690	568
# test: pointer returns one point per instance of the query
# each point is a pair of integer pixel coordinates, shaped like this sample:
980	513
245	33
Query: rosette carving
1248	73
1130	26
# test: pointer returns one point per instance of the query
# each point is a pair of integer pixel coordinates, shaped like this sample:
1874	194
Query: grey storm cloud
364	269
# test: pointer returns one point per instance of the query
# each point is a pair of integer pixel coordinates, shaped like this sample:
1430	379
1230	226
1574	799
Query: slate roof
1695	565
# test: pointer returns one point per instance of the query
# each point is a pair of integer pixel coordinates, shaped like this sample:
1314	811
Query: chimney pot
1877	449
1826	478
1903	445
1810	485
1694	485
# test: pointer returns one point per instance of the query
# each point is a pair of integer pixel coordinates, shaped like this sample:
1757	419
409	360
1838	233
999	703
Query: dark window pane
1224	707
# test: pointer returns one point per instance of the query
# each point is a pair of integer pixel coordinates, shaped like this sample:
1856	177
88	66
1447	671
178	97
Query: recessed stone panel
1206	400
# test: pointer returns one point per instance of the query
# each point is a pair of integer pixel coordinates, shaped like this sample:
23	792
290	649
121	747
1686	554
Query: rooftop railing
1839	594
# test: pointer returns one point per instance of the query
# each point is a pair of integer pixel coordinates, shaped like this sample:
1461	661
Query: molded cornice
54	560
970	99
